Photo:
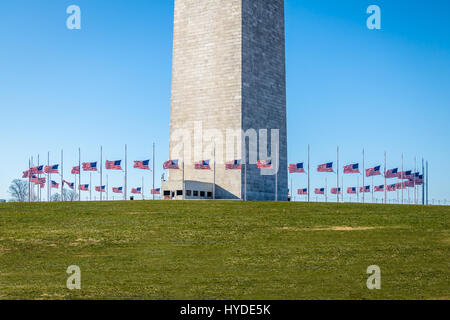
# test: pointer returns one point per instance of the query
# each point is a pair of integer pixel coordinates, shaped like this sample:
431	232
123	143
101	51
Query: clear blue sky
109	84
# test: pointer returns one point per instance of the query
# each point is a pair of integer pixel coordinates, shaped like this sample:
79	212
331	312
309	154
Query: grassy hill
223	250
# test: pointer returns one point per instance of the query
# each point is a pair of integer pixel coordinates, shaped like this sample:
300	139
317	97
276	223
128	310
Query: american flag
296	168
55	185
375	171
37	170
156	191
118	190
408	175
26	174
364	189
84	187
100	189
233	165
352	168
113	165
34	179
41	182
89	166
336	190
409	184
76	170
326	167
419	180
399	186
52	169
351	190
392	173
145	165
264	164
391	187
71	185
319	191
404	174
303	191
171	164
136	190
202	165
379	188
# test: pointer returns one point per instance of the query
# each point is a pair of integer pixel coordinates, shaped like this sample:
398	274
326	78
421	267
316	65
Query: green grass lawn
223	250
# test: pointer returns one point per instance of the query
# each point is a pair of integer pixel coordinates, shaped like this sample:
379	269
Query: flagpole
276	172
48	177
142	187
357	189
107	187
62	174
153	193
363	174
29	180
337	175
372	189
182	181
326	190
245	177
125	191
32	185
292	190
427	183
414	179
214	174
101	172
79	174
385	186
39	178
423	185
402	178
309	189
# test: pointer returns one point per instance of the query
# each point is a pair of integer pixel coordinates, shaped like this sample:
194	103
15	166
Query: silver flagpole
427	183
337	175
214	174
39	178
309	189
62	174
32	185
423	185
79	174
402	178
29	180
143	188
372	189
107	187
48	177
182	181
385	186
101	172
357	189
90	185
245	178
292	191
276	172
153	190
326	190
125	187
414	179
363	174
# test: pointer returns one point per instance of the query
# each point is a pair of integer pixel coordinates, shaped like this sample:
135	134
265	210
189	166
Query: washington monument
228	100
